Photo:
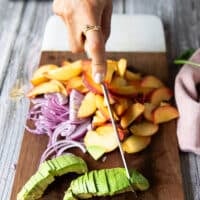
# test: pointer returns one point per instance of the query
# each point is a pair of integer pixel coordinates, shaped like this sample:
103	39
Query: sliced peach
131	76
88	105
76	83
133	111
121	67
87	66
98	119
128	90
134	144
144	128
152	82
148	111
100	105
111	68
111	99
65	63
47	87
66	72
118	81
90	84
103	136
121	106
38	75
160	94
61	86
164	114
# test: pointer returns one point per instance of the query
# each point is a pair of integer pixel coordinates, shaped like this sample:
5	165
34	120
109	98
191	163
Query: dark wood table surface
22	26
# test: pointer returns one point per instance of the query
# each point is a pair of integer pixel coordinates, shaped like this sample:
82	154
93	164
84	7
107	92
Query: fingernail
98	78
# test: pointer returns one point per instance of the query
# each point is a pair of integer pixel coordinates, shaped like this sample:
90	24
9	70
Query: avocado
90	183
36	185
105	182
95	151
102	186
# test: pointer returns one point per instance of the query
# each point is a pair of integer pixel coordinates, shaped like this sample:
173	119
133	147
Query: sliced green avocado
107	182
90	183
36	185
102	186
95	151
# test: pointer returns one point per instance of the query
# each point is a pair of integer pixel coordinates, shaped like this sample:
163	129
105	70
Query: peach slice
38	75
101	106
134	144
76	83
87	66
47	87
65	63
160	94
121	67
128	90
88	106
103	136
144	128
152	82
66	72
118	81
111	68
90	84
133	111
148	111
98	119
164	114
121	106
131	76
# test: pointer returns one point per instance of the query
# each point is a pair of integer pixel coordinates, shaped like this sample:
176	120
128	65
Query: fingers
95	46
106	20
75	39
66	10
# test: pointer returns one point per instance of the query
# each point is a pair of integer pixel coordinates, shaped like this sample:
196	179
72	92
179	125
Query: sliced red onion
80	131
75	100
66	144
48	112
63	129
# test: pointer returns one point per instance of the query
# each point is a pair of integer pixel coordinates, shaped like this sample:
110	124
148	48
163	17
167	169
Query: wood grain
159	162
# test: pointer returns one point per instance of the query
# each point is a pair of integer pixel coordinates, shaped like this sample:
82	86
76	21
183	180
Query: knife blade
106	96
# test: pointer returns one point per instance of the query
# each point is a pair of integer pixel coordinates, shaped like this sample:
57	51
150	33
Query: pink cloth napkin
188	127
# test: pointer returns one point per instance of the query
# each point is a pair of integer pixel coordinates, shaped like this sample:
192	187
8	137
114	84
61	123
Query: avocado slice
36	185
102	186
90	183
105	182
95	151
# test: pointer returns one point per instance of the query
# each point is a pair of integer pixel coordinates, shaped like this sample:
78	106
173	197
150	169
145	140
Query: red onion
48	112
61	146
74	104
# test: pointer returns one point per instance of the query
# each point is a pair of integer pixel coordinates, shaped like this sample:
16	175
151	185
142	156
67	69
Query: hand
76	15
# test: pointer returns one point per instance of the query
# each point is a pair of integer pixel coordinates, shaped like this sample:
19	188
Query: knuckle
95	45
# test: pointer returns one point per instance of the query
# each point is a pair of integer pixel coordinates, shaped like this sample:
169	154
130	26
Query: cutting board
159	162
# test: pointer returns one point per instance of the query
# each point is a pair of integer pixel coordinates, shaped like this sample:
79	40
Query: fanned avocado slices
36	185
105	182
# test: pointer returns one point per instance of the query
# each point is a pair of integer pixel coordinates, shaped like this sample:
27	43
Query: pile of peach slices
139	103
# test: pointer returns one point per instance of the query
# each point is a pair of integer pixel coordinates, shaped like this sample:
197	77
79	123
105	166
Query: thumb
95	48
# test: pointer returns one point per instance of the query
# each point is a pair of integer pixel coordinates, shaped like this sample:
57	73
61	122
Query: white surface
139	33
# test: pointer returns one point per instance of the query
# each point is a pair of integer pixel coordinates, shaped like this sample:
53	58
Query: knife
105	93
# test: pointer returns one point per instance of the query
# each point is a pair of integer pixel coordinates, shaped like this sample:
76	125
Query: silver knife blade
105	92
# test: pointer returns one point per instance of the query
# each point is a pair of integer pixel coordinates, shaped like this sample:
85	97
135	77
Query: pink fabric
188	127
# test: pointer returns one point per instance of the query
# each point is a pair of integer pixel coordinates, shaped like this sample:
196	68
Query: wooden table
21	30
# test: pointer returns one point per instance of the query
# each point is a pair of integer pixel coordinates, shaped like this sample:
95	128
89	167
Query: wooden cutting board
159	162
